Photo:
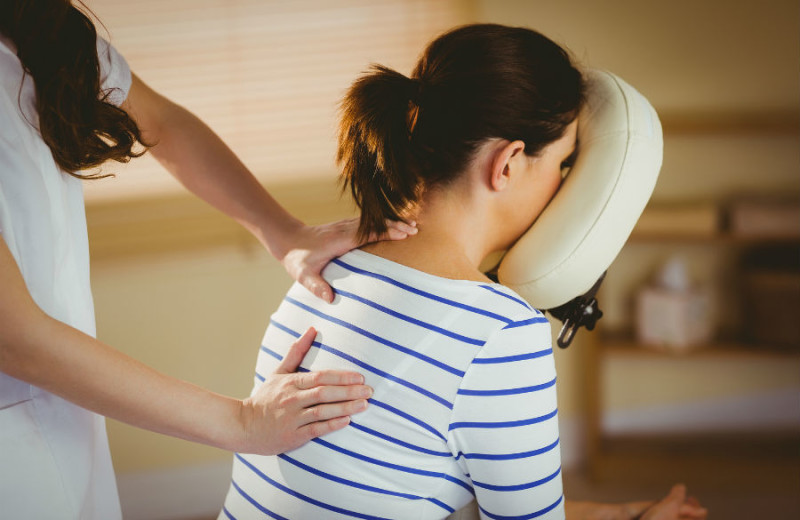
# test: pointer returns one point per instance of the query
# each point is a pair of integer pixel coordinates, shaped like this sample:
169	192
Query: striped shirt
464	403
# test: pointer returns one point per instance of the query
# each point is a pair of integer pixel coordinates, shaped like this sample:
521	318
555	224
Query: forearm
204	164
83	370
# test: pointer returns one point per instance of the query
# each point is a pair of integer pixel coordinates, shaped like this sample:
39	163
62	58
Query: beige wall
196	316
686	56
197	311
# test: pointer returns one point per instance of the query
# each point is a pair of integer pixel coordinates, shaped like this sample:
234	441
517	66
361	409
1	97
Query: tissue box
673	320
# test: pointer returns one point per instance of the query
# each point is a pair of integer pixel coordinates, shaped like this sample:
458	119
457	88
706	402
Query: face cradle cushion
578	235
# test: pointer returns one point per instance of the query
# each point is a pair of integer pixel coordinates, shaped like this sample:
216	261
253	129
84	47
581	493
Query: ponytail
400	136
377	116
57	45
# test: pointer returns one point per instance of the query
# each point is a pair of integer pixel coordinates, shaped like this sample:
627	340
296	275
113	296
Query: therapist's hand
291	408
676	506
313	247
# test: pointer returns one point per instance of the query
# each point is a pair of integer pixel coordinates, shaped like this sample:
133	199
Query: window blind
266	75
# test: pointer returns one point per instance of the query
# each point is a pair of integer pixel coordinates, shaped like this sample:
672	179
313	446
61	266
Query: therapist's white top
54	457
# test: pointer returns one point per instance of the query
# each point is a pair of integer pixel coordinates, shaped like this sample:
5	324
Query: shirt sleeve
115	74
504	426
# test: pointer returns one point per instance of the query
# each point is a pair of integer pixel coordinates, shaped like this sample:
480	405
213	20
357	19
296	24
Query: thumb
677	493
692	509
296	353
318	286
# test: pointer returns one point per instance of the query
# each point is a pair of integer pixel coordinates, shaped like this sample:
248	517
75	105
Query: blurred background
694	375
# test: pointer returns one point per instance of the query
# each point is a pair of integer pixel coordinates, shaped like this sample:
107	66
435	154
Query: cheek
550	182
530	202
544	191
530	207
551	187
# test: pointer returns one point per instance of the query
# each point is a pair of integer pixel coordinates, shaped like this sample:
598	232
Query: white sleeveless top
54	457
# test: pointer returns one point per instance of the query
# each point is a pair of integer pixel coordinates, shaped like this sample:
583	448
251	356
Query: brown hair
57	45
401	135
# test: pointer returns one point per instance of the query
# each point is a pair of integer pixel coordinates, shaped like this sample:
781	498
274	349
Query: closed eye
569	162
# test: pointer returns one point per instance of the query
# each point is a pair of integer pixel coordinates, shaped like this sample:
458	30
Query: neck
451	241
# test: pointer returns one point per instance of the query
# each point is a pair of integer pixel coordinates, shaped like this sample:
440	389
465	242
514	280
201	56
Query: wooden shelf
715	239
740	444
623	345
705	223
771	456
775	122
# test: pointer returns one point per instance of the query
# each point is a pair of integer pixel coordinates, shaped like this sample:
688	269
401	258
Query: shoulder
520	319
11	73
523	335
115	74
19	127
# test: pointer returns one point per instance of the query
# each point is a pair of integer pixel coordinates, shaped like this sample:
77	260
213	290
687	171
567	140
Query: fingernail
357	379
366	392
361	405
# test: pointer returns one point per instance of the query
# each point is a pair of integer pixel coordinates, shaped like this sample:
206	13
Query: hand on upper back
314	246
291	408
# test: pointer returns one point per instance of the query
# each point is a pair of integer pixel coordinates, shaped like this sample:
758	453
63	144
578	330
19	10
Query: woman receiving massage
471	146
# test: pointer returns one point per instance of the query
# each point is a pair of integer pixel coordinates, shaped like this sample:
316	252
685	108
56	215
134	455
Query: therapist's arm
200	160
284	414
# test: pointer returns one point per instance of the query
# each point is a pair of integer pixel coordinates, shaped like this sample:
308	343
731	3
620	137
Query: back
464	404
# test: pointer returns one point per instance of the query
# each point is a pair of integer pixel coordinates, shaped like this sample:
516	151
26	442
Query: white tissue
674	276
673	313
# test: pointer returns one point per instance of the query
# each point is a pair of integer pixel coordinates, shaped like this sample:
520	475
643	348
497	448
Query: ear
502	163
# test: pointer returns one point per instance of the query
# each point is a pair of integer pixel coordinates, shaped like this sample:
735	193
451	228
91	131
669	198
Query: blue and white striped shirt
464	404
